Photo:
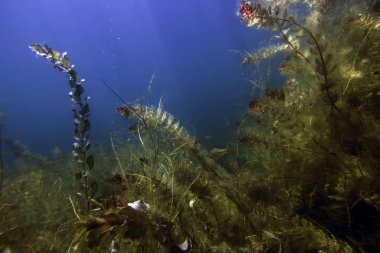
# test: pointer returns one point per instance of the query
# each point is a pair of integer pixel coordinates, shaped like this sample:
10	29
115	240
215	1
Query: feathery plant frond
264	53
82	137
158	117
325	130
277	19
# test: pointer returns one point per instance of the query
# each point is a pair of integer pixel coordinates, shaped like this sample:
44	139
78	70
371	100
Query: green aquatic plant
264	53
82	137
324	132
302	175
158	117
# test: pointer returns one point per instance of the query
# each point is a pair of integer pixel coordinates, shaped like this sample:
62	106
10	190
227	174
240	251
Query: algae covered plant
301	173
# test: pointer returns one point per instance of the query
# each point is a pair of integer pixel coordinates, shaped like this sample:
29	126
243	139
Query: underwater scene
190	126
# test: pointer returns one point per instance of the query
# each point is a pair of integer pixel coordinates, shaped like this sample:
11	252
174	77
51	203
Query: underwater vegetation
301	176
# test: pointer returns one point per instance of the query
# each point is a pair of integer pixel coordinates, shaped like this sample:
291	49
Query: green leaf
79	89
65	62
54	54
86	126
90	162
86	109
73	75
75	97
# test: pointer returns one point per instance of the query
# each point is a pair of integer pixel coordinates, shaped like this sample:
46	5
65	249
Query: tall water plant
81	113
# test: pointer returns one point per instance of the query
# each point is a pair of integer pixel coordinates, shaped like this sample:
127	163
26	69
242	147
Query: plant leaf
86	126
85	109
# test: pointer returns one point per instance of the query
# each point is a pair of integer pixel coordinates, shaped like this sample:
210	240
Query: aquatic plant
158	117
324	133
81	115
264	53
301	178
193	201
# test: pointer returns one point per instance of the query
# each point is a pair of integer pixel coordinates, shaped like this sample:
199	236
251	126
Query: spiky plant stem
81	115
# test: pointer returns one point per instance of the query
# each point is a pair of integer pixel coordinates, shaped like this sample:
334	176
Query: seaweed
303	177
322	134
82	137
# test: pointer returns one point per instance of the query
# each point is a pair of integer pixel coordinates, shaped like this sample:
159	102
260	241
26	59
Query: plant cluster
324	133
302	176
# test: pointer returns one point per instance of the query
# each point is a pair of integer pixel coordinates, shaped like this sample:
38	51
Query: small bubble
118	38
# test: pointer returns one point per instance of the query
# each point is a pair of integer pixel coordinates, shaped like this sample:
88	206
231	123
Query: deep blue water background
187	44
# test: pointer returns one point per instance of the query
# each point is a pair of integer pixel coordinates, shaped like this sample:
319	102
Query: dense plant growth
301	177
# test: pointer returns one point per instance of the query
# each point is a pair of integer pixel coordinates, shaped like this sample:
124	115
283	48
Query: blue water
189	45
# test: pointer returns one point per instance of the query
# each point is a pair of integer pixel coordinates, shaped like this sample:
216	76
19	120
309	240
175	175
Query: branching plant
276	19
304	177
321	129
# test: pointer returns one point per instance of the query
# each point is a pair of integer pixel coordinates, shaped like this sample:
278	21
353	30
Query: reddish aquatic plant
117	179
275	94
255	105
113	201
245	11
124	111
